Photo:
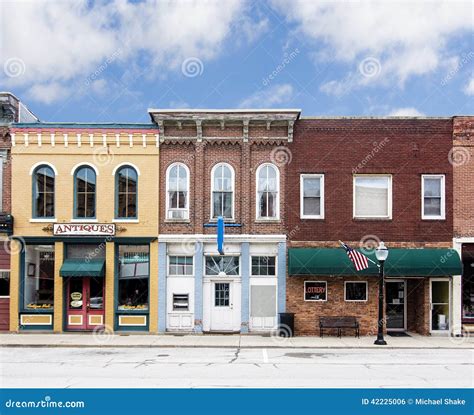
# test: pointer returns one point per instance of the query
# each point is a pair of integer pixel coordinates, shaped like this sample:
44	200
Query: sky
109	61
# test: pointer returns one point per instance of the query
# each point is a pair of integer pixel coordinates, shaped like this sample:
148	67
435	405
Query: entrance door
222	309
395	294
85	304
439	294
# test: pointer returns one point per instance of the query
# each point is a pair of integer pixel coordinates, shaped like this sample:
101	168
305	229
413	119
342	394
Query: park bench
339	323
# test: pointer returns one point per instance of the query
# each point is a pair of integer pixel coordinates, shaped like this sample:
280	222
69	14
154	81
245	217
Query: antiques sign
84	229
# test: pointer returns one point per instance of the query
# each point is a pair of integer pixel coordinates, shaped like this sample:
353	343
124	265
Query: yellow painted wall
15	248
105	159
58	288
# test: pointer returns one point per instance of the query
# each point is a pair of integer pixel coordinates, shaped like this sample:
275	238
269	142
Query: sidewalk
227	341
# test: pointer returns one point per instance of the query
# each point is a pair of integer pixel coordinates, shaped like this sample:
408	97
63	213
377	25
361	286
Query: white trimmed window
180	265
373	196
355	291
268	190
222	185
263	266
177	192
312	196
433	196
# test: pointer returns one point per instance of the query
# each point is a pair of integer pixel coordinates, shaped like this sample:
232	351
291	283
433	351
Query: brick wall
463	173
418	306
405	148
201	157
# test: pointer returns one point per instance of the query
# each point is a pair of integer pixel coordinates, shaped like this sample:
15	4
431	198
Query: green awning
425	262
75	267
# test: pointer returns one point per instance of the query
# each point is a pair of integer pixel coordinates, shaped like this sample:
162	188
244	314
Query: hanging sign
84	229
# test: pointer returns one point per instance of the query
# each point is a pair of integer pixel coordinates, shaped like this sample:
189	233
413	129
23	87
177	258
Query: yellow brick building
85	208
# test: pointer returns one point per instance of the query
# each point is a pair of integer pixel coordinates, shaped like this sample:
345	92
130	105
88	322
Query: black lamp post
381	254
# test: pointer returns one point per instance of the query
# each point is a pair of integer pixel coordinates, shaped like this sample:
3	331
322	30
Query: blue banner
236	401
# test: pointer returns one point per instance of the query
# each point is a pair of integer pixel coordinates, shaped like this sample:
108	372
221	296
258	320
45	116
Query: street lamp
381	254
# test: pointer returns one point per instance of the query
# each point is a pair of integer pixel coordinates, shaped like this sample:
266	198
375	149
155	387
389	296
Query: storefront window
181	265
229	265
356	291
133	278
4	283
468	290
39	277
263	266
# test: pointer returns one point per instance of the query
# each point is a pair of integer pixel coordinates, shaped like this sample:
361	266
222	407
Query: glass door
440	305
395	293
76	304
95	302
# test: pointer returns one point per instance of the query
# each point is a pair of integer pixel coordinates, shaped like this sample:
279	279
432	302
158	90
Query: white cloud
408	38
469	88
267	98
405	112
48	93
67	42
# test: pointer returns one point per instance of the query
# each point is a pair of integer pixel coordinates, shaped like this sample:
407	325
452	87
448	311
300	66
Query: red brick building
11	110
362	181
462	158
231	164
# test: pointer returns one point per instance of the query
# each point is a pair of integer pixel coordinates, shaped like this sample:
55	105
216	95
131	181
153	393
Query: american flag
360	261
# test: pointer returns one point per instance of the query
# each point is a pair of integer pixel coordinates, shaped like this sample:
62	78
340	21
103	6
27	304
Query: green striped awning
75	267
423	262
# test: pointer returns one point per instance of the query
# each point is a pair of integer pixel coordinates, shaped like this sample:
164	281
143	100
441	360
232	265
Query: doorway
395	300
85	303
222	310
440	295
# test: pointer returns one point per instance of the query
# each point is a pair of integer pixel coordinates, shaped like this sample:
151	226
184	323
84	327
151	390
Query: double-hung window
267	192
433	196
222	184
177	193
312	196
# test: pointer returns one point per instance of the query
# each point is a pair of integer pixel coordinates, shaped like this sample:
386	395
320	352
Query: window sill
312	217
427	218
226	220
260	220
372	219
177	221
125	221
43	220
84	220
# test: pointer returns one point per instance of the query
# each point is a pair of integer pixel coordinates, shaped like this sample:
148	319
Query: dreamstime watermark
15	245
287	59
369	243
459	336
459	156
192	67
281	335
281	155
465	59
14	67
377	147
370	67
102	67
102	334
46	402
188	246
103	156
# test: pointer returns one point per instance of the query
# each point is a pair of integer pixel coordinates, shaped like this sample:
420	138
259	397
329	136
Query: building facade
84	249
11	110
363	181
462	158
229	164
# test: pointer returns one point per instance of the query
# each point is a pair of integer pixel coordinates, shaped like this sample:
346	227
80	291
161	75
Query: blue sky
109	61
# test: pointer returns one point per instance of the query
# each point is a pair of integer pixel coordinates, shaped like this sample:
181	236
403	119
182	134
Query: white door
440	293
222	309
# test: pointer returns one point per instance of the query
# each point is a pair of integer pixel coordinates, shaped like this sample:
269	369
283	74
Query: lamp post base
380	342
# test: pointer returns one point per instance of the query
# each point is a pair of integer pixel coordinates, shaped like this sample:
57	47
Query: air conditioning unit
177	214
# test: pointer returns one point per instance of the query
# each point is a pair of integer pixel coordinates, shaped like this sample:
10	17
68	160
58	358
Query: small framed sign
315	290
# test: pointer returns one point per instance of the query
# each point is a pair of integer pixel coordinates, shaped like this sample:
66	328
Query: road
234	367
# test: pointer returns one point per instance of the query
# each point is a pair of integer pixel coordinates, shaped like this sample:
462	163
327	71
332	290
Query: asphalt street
70	367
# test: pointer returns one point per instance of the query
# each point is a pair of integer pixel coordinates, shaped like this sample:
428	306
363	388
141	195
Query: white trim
321	198
95	315
188	181
41	220
125	163
132	325
178	238
389	196
231	110
443	197
366	292
232	171
168	275
450	303
315	301
69	323
125	220
43	163
84	164
50	316
277	208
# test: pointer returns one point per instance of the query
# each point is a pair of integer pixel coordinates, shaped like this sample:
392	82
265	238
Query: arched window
267	192
177	192
222	178
84	192
43	192
126	181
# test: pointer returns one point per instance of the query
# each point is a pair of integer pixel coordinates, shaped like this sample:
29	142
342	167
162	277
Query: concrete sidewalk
415	341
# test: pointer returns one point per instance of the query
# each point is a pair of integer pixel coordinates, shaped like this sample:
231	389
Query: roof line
225	110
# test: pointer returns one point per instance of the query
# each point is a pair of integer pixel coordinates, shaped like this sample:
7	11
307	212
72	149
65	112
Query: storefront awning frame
80	267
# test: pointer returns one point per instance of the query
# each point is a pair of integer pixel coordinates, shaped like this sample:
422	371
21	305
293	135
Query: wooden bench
338	323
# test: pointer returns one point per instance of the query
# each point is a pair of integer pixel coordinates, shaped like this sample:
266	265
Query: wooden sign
84	229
